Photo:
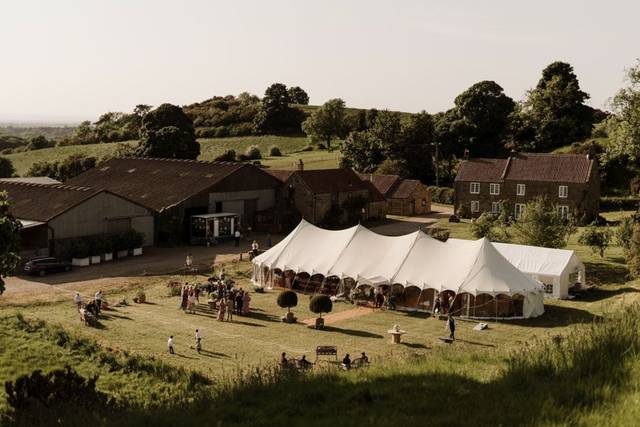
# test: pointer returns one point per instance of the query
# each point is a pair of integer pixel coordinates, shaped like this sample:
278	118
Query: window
564	211
519	209
495	207
475	206
563	191
494	189
520	189
548	288
474	188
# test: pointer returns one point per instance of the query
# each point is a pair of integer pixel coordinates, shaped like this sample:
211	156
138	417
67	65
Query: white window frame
564	211
474	188
518	210
563	191
495	207
494	189
475	203
521	189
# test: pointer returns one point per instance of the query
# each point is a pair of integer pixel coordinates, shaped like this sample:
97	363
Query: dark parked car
45	265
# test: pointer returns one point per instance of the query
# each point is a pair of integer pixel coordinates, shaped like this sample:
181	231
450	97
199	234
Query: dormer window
563	191
494	189
474	188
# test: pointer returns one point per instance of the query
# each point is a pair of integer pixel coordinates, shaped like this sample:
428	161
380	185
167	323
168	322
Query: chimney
466	154
300	165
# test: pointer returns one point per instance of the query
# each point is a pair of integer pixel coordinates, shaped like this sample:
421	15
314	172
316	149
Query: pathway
343	315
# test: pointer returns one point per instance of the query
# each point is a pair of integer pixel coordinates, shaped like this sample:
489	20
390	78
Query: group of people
234	301
303	363
198	343
89	312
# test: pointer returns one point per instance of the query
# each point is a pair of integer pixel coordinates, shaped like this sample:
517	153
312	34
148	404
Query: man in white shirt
98	298
236	236
78	300
170	345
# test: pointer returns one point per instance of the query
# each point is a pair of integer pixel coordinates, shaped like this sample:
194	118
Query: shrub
253	153
38	397
320	304
227	156
242	158
614	203
140	296
443	195
462	211
274	151
441	234
542	225
624	232
287	299
80	248
308	147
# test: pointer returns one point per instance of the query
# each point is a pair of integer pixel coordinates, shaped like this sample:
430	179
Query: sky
65	61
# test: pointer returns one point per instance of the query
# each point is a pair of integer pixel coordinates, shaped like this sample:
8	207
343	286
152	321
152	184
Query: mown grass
291	148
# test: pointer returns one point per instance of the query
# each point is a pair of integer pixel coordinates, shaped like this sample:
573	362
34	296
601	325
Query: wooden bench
327	350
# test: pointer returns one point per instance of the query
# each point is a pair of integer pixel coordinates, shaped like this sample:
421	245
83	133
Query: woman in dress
222	307
246	299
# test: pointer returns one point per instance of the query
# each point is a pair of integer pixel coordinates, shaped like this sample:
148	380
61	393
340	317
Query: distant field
210	148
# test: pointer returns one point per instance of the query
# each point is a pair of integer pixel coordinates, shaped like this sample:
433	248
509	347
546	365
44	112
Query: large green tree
9	241
415	148
297	95
623	127
541	224
483	112
167	132
327	122
276	115
556	109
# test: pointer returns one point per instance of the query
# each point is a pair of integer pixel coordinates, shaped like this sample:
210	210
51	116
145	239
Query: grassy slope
210	148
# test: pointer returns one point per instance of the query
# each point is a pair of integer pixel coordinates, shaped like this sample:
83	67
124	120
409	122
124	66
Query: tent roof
535	259
414	259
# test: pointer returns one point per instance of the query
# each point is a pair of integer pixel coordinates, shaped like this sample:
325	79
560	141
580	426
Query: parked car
44	265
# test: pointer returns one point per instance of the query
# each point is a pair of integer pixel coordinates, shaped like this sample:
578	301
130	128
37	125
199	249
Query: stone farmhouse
404	196
569	181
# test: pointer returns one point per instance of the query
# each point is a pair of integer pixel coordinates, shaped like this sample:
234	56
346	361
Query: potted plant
107	249
318	305
135	241
95	249
120	245
288	299
79	253
140	297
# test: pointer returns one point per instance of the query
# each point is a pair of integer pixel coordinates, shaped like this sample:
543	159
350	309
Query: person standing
170	345
451	324
198	341
98	298
78	300
246	300
221	309
230	306
236	237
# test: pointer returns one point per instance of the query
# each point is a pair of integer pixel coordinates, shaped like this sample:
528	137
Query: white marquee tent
557	269
413	260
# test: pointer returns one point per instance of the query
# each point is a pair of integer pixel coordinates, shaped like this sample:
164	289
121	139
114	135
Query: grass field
419	380
291	148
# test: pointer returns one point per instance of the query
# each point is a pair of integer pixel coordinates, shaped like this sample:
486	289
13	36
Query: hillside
291	148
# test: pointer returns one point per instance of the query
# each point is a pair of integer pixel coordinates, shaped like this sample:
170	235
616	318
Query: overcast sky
66	60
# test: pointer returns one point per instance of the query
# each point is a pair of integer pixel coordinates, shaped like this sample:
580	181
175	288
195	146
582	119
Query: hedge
443	195
614	203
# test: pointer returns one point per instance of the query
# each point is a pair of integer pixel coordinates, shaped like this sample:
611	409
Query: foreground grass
291	148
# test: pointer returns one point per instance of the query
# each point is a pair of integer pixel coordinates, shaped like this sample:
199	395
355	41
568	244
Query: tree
84	134
142	110
167	132
327	122
624	233
9	241
320	304
556	108
392	167
542	225
64	170
415	147
39	142
6	168
275	115
484	111
297	95
597	238
362	151
491	226
623	127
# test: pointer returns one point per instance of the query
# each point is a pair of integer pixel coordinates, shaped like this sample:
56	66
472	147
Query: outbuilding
51	213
